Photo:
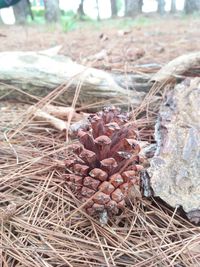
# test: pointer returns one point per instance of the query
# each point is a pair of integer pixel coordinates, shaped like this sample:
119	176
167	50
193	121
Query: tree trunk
21	11
80	10
98	13
132	7
52	11
113	7
140	6
191	6
161	7
173	6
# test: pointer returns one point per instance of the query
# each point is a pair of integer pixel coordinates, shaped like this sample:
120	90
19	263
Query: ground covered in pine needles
42	223
114	45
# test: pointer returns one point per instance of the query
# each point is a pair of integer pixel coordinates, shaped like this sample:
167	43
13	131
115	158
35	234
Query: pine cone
105	163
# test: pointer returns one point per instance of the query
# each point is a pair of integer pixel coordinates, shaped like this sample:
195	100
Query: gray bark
140	6
173	6
113	4
21	11
175	168
161	7
192	6
97	6
132	7
80	11
52	11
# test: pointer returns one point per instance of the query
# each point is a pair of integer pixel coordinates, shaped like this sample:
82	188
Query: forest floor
115	45
40	222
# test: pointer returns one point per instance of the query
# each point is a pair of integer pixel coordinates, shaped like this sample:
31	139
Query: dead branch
51	120
57	117
178	67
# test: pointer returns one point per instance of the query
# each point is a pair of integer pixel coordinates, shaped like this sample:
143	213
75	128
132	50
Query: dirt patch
111	45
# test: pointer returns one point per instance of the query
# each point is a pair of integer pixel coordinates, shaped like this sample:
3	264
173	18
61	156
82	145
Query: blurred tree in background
80	10
140	6
192	6
21	11
98	11
173	6
114	10
133	7
52	10
161	7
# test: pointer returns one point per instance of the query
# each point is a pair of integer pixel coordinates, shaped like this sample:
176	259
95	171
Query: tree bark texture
52	11
21	11
161	7
192	6
140	6
132	7
80	10
173	6
98	12
113	4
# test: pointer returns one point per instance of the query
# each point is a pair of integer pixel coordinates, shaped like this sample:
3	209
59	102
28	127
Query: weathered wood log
185	65
26	74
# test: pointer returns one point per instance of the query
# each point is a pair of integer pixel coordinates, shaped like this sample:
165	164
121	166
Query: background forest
54	11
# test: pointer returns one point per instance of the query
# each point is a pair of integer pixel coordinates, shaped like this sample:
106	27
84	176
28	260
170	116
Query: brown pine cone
105	162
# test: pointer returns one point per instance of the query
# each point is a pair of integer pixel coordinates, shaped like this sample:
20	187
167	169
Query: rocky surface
175	168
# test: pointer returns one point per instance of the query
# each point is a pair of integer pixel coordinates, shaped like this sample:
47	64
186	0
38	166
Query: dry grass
42	223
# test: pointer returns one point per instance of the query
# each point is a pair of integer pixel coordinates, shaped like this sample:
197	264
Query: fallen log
178	68
32	75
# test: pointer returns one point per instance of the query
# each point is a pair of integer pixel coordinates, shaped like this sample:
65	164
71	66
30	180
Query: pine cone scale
107	162
91	183
99	174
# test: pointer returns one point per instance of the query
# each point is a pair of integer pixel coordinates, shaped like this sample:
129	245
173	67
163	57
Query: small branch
57	117
53	121
178	67
62	112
